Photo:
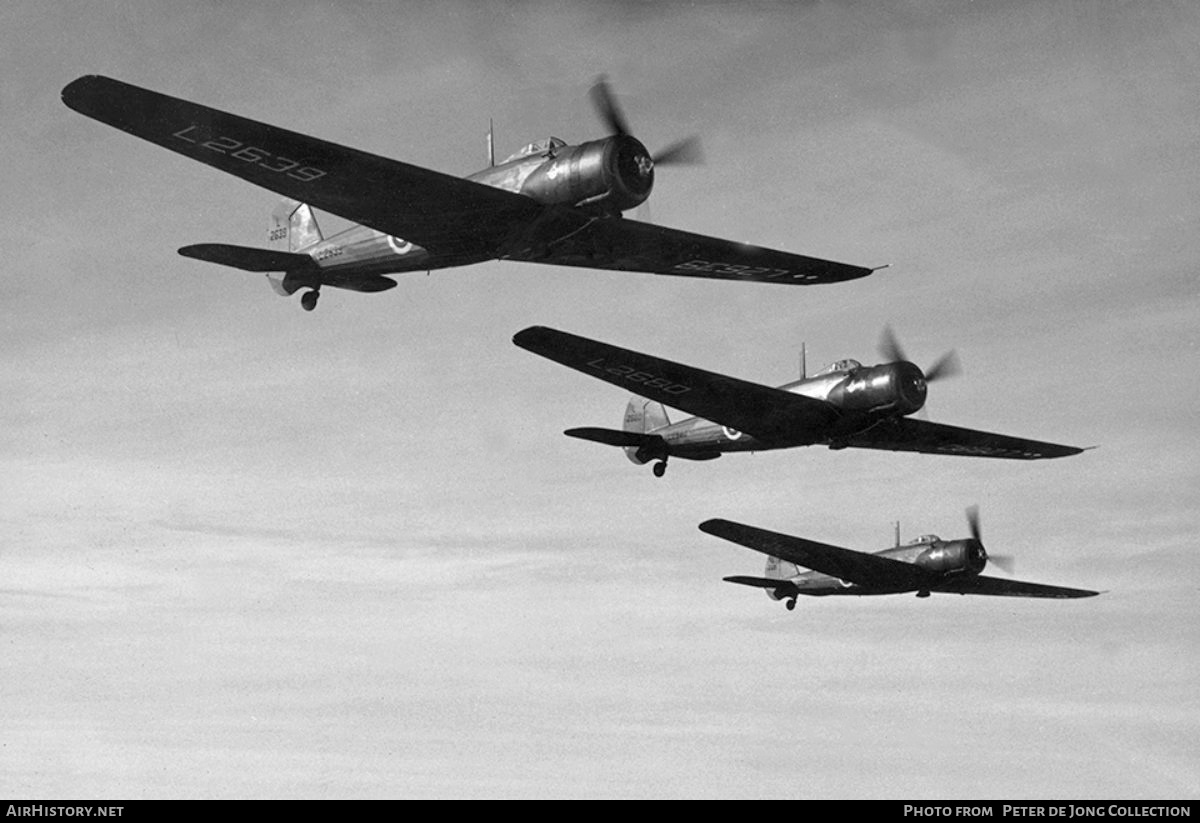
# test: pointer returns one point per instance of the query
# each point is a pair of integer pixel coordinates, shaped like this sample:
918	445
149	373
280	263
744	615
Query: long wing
449	216
845	564
763	412
1000	587
628	245
915	435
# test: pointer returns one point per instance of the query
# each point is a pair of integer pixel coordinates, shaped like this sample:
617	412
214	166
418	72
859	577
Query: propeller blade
1006	562
893	352
685	152
973	522
606	106
889	346
948	366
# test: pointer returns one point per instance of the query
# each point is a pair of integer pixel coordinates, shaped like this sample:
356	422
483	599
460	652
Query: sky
250	551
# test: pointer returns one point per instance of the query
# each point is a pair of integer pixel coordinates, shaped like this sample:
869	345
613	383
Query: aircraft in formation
561	204
550	202
925	565
844	405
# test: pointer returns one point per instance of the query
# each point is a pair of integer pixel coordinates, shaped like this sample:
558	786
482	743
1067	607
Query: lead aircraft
551	202
844	405
925	565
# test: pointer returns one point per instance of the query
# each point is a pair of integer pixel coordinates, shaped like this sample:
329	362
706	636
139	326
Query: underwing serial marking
644	378
252	154
729	269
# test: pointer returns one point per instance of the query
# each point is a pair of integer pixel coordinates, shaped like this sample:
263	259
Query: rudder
293	227
643	416
779	570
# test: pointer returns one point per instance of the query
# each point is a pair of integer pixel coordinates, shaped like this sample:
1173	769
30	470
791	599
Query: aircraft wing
760	411
981	584
844	564
449	216
629	245
915	435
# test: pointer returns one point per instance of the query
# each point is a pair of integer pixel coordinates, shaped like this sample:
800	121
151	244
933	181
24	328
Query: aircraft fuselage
952	558
605	177
864	394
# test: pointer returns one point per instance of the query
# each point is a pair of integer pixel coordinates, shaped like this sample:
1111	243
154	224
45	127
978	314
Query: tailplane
639	438
777	584
298	267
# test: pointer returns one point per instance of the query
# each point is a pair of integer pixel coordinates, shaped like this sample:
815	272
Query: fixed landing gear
308	300
791	604
660	468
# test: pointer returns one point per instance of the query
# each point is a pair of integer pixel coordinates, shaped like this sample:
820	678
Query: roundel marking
399	246
732	434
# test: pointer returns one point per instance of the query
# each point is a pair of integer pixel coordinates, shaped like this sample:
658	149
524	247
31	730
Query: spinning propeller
890	348
685	152
1003	561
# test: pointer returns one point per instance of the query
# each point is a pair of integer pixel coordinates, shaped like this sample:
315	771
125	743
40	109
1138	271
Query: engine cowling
898	387
954	557
615	174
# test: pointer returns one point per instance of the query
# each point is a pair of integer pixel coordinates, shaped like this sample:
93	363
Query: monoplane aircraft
549	203
844	405
927	564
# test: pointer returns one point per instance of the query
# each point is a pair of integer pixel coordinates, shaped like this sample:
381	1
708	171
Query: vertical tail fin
779	570
293	227
643	416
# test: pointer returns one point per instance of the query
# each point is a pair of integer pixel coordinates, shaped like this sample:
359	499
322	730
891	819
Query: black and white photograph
601	400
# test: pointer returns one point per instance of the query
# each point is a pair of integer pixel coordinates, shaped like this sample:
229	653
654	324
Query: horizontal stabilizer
612	437
758	582
358	282
247	258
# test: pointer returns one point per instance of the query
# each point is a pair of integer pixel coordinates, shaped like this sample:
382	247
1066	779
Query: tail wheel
309	299
660	468
791	604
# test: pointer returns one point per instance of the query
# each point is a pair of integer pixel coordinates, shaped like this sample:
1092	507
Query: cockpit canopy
546	146
925	538
839	366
